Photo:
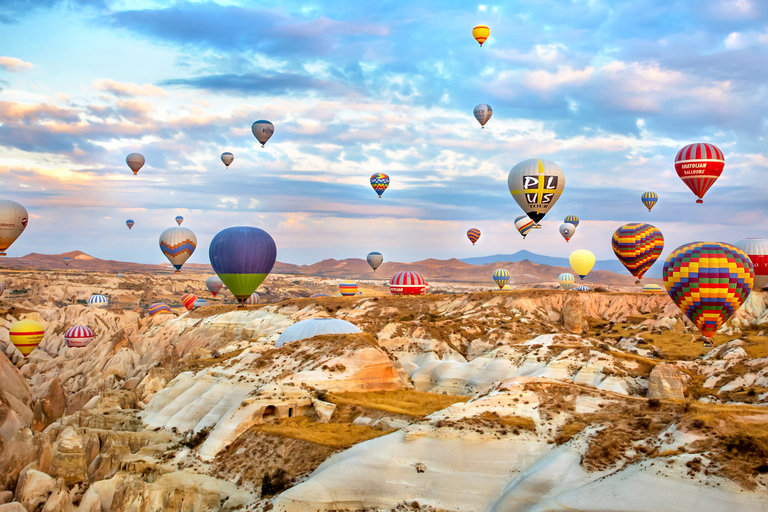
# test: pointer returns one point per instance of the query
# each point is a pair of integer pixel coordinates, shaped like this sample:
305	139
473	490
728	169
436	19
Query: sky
609	90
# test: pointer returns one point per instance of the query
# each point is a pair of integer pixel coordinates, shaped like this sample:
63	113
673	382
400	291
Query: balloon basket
699	201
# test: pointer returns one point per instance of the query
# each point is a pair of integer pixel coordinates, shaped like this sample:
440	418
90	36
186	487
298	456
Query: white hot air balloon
227	158
135	161
567	230
214	284
262	130
536	185
178	244
483	113
13	222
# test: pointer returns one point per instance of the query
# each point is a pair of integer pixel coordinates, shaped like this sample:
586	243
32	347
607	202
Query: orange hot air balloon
473	235
481	33
26	335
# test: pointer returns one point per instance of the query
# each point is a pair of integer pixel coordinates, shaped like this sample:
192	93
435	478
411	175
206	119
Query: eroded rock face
69	461
34	488
574	317
666	382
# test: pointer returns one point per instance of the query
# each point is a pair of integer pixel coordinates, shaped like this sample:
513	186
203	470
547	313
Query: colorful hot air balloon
13	222
348	288
652	288
320	296
135	161
481	33
252	300
473	235
637	246
582	262
67	260
188	301
699	165
566	280
158	307
524	224
78	336
536	185
649	199
567	230
501	276
407	282
179	219
227	158
483	113
242	257
757	250
571	219
26	335
262	130
130	224
214	284
379	182
177	245
374	260
98	301
199	303
709	281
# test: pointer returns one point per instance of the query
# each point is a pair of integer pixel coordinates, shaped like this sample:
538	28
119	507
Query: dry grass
337	435
403	401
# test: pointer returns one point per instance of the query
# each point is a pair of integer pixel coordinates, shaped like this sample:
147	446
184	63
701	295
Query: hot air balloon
2	288
571	219
481	33
566	280
524	224
214	284
252	300
473	235
709	281
13	222
228	158
199	303
78	336
348	288
483	113
379	182
567	230
129	223
407	282
26	335
649	199
582	262
757	250
67	260
158	307
374	260
536	185
188	301
312	327
501	276
179	219
178	244
637	246
652	288
582	288
262	130
98	301
135	161
242	257
320	296
699	165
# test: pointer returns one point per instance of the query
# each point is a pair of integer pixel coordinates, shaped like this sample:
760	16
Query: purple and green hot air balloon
242	257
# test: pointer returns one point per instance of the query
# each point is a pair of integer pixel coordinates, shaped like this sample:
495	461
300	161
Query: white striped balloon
78	336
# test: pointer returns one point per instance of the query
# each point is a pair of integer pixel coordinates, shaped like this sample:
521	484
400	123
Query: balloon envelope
483	113
158	307
652	288
78	336
67	261
98	301
135	162
374	260
26	335
649	199
188	301
13	222
227	158
199	303
179	219
379	182
572	219
637	246
757	250
407	282
348	288
699	165
242	257
130	223
524	224
253	299
536	185
582	262
262	130
177	245
709	281
214	284
566	280
481	33
501	277
473	235
567	230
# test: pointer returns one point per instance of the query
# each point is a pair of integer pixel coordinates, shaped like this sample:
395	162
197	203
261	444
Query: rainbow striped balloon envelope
524	224
26	335
78	336
637	246
473	235
348	288
709	281
188	300
159	307
501	276
379	182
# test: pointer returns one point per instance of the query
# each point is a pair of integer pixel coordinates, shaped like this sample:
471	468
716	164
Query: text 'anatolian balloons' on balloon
214	284
571	219
524	224
227	158
379	182
177	245
13	222
501	277
709	281
130	224
481	33
699	165
26	335
649	199
135	162
566	280
637	246
567	230
179	219
757	250
536	185
242	257
483	113
582	262
474	235
262	130
374	259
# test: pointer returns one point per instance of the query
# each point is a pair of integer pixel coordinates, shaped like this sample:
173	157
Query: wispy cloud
14	65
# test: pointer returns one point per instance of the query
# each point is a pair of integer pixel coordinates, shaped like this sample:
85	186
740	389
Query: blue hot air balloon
129	223
242	257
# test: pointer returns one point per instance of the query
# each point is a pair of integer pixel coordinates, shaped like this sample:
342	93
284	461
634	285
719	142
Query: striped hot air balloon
177	245
566	280
649	199
481	33
473	235
199	303
26	335
757	250
320	296
652	288
252	300
188	301
407	282
158	307
637	246
709	281
582	288
524	224
348	288
379	182
78	336
571	219
501	276
98	301
582	262
699	165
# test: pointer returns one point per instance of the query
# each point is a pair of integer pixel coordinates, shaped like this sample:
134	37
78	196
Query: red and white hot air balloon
408	283
757	250
78	336
699	165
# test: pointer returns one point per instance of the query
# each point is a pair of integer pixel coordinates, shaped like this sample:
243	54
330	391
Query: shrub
274	483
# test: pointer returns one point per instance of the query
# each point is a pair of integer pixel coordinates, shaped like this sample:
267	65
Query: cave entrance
270	413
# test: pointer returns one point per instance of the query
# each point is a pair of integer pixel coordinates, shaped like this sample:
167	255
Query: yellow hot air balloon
481	33
582	262
26	335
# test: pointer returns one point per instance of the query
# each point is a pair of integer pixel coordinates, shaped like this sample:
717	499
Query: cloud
128	89
14	65
254	84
